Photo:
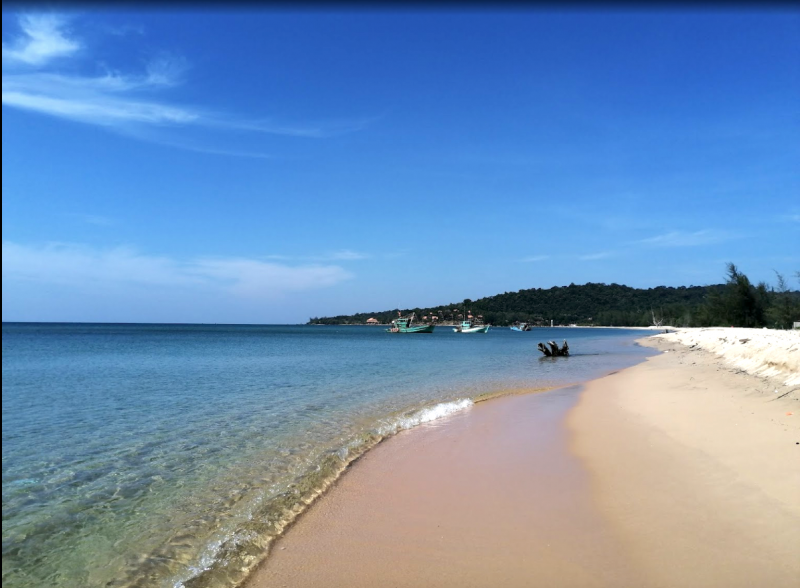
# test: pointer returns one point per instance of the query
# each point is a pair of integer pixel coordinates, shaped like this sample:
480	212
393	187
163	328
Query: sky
268	166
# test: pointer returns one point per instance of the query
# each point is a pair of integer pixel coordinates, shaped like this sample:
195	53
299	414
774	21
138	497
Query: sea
172	455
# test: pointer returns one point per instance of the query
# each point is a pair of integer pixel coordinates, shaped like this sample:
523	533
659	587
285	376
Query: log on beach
554	350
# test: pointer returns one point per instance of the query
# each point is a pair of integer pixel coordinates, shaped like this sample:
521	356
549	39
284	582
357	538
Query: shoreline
422	508
389	511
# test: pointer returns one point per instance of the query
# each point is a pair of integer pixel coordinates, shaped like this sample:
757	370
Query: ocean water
171	455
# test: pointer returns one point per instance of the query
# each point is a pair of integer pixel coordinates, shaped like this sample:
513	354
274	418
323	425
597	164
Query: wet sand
488	497
675	472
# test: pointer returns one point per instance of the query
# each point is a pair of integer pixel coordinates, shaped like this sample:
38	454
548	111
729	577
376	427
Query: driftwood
554	350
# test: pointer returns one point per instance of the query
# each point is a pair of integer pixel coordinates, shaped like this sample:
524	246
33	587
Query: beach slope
694	458
680	471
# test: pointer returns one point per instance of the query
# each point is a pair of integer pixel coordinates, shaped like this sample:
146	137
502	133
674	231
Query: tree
743	304
785	308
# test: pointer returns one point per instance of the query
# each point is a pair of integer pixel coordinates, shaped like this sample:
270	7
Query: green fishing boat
404	324
471	324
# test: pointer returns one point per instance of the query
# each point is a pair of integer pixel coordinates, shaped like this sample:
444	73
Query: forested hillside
588	304
737	302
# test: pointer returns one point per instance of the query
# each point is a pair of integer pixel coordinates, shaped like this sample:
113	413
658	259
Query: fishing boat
404	324
521	327
470	326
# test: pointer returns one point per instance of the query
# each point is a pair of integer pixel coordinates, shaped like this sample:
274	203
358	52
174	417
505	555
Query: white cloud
213	151
70	264
253	278
346	255
685	239
341	255
95	109
315	131
123	30
90	268
92	219
166	70
535	258
592	256
124	102
44	40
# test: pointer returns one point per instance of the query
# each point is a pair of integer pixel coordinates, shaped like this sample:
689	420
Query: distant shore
454	324
680	471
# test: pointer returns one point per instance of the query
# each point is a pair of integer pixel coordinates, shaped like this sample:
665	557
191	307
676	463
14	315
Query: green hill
588	304
737	302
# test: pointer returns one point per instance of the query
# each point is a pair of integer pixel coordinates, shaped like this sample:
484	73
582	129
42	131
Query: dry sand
773	355
696	464
681	471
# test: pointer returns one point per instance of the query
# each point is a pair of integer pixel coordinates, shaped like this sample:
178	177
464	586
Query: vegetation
737	302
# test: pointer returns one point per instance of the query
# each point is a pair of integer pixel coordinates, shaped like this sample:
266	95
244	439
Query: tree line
736	302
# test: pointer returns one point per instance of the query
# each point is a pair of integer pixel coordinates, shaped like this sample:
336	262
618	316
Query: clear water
170	455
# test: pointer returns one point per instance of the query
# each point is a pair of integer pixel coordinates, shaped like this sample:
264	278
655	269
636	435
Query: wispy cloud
123	101
43	41
123	30
346	255
188	145
593	256
86	267
341	255
253	278
688	239
111	100
792	218
319	130
534	258
92	219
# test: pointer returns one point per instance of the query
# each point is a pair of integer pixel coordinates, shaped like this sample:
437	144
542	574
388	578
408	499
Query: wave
228	560
424	415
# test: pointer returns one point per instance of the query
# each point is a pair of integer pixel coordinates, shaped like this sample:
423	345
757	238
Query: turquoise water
170	455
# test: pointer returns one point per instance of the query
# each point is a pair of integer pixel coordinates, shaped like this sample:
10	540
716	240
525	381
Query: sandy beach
683	470
695	462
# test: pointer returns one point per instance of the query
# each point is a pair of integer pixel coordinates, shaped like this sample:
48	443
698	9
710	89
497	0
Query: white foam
760	352
212	553
424	415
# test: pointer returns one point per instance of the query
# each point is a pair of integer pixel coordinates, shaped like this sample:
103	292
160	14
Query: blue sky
269	166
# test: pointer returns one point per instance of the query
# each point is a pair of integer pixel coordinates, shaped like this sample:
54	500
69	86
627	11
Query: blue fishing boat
521	327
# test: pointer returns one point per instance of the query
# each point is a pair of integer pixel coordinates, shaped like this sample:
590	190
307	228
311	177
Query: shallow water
170	455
